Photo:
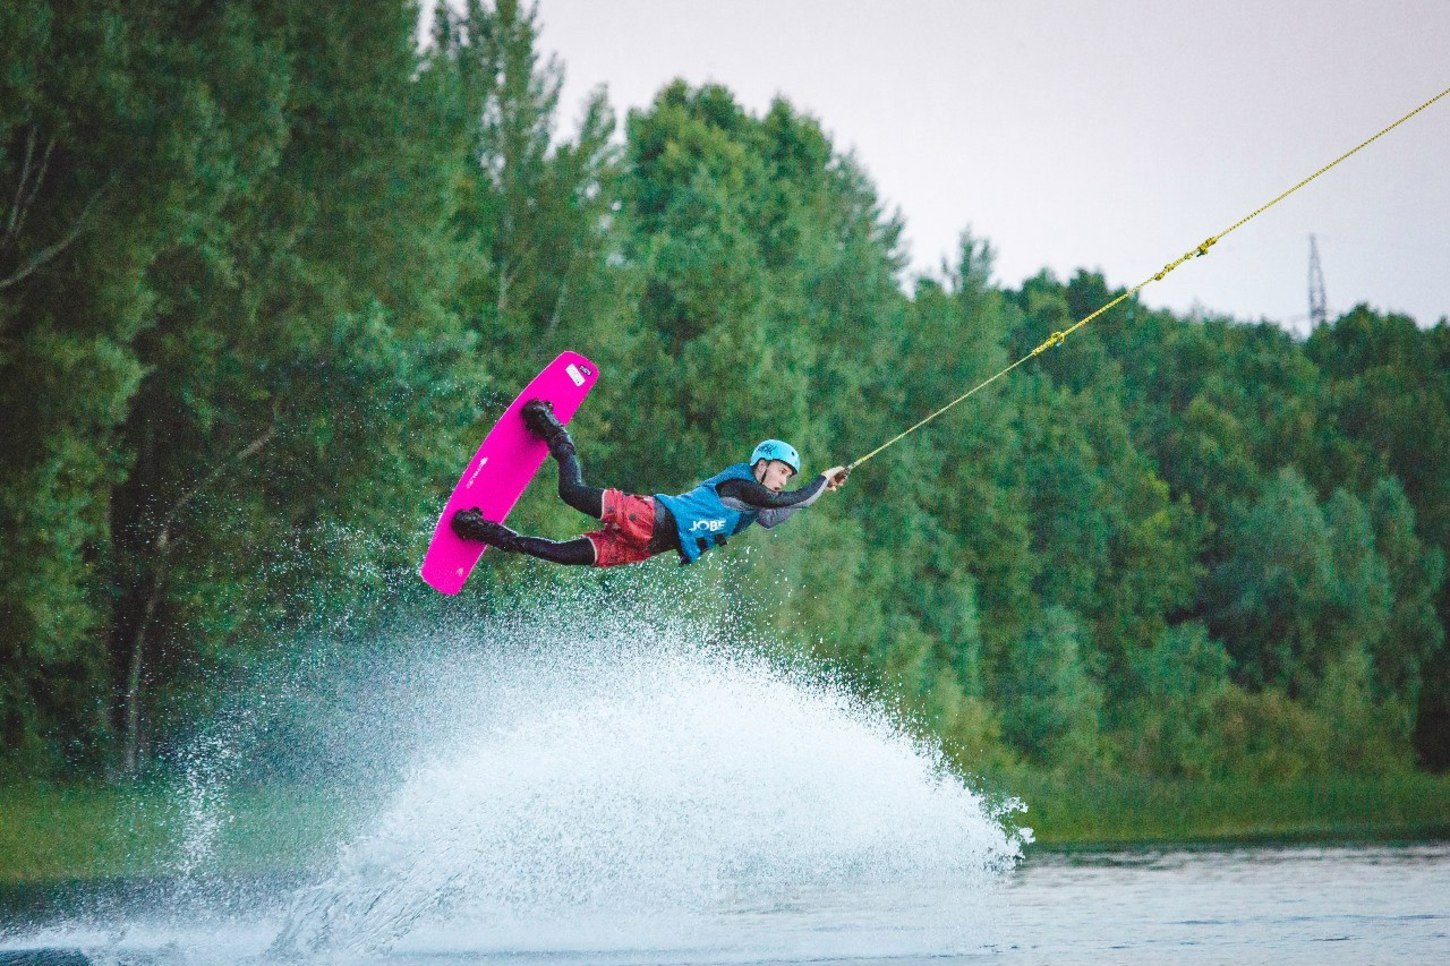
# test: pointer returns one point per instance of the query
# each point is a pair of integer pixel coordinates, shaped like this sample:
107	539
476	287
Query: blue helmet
774	449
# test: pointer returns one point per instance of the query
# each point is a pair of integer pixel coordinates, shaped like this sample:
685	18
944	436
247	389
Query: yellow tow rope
1057	338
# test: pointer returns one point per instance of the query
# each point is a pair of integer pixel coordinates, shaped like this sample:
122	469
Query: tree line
266	268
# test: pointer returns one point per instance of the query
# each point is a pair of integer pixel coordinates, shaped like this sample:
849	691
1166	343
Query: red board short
629	522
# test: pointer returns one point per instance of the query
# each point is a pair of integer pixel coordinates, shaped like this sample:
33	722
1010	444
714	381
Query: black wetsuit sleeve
772	508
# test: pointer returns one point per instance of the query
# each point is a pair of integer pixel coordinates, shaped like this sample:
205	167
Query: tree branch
163	538
131	702
46	254
36	183
12	224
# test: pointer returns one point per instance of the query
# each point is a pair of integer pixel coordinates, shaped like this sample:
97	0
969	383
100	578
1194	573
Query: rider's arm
772	508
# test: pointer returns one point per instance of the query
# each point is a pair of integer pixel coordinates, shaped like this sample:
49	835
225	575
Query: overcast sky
1108	135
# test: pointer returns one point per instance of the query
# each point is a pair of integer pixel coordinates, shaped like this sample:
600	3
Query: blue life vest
703	521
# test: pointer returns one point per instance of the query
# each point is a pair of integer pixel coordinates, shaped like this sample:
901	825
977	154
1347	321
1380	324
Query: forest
268	271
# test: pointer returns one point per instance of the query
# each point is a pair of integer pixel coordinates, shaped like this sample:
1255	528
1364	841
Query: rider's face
774	476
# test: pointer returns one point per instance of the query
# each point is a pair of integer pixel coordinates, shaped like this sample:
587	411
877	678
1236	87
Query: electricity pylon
1318	307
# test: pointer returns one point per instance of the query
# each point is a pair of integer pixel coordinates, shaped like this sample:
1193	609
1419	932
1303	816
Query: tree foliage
264	270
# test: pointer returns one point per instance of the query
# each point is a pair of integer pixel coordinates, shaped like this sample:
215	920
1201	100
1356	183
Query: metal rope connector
1055	339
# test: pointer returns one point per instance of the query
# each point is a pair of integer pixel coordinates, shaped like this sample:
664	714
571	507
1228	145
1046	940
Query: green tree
1051	705
300	352
225	313
1388	414
1413	634
1180	683
1274	591
106	146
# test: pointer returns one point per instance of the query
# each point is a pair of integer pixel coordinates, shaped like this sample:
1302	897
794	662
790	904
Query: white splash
623	785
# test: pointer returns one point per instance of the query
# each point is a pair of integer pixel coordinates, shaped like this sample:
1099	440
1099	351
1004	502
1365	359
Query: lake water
1282	905
1317	905
576	787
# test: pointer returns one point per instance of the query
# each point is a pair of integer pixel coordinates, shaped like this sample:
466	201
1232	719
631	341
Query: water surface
1300	904
1283	905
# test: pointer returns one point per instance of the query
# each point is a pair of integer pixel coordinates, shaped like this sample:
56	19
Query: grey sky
1109	135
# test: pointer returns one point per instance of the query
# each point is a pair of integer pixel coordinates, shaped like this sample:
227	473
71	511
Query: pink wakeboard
501	470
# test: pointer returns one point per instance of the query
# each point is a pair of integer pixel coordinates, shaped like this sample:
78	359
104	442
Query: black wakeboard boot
540	420
470	525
